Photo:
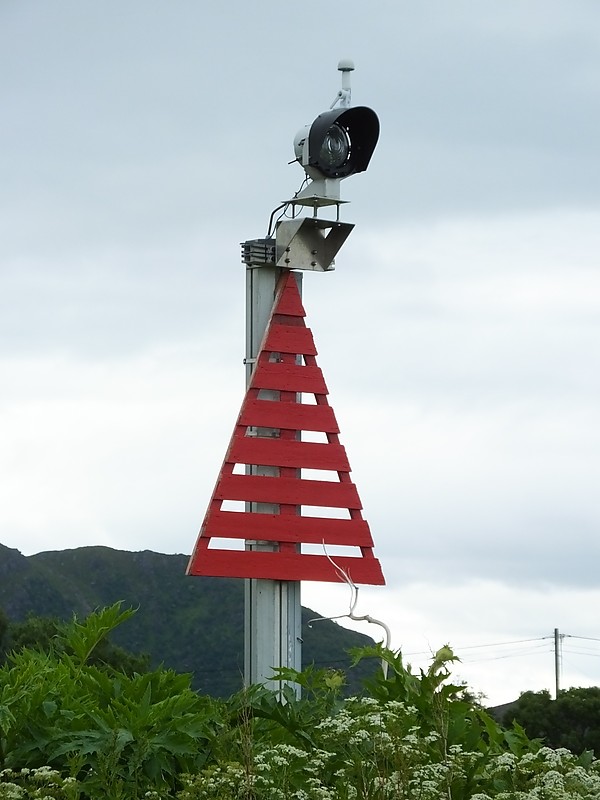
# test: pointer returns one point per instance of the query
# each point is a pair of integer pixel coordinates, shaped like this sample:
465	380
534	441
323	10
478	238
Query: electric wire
275	210
285	205
569	651
524	654
502	644
481	646
587	638
528	649
537	646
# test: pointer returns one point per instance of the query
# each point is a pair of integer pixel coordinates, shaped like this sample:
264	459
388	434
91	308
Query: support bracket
310	243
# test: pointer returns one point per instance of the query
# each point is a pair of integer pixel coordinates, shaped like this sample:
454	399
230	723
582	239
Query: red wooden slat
287	528
288	453
287	335
290	339
289	301
290	416
288	378
284	566
287	491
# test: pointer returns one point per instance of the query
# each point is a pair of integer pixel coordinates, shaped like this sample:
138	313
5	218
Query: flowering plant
107	736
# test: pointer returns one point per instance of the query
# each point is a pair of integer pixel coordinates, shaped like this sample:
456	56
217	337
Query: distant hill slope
189	624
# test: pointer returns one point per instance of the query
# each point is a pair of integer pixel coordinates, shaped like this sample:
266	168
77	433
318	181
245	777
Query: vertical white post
272	608
556	663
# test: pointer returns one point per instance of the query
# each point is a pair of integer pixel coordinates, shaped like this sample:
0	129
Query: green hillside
190	624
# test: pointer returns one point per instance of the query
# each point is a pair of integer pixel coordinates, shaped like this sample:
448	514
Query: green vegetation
571	721
116	734
72	730
191	625
45	633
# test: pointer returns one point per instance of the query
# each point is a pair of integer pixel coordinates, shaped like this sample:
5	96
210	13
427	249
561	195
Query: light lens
335	148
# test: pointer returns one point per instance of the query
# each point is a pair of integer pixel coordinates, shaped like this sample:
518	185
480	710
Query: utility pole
557	643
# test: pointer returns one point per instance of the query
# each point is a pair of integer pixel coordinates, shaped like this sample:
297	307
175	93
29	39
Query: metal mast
280	369
272	608
337	144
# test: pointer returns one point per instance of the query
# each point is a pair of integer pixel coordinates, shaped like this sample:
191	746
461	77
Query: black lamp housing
360	124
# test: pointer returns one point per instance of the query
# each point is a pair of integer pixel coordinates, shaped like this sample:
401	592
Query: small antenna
344	96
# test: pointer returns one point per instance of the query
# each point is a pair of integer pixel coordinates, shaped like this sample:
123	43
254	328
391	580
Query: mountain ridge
189	624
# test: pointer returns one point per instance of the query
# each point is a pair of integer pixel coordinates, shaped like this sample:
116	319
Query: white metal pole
272	629
556	663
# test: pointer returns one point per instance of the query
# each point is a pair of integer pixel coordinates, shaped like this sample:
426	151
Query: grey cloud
162	119
143	142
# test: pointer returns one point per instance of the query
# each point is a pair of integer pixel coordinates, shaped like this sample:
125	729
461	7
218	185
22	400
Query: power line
582	652
457	649
587	638
527	653
479	646
502	644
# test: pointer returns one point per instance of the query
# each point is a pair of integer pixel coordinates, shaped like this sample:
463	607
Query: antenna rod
344	97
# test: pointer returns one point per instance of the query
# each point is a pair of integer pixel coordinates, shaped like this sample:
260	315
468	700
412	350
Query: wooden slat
288	416
287	528
274	452
284	566
290	339
287	491
287	335
288	378
289	301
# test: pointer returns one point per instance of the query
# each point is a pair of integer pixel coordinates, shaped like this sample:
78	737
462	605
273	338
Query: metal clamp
310	243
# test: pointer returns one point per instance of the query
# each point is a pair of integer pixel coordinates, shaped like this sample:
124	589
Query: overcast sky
459	336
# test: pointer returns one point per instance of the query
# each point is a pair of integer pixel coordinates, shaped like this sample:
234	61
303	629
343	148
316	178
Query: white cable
345	576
